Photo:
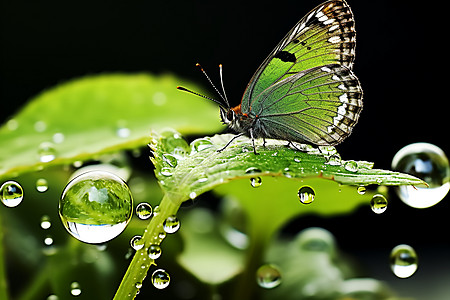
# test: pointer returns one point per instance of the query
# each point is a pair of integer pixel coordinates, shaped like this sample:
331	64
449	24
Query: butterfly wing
324	36
320	106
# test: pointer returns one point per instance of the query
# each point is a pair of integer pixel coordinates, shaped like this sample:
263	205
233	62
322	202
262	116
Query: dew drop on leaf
361	190
160	279
403	260
306	194
171	224
268	276
11	193
200	144
75	289
136	242
96	206
144	211
351	166
378	204
41	185
46	152
429	163
45	222
154	251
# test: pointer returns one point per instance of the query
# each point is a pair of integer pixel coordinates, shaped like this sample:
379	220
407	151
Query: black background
401	61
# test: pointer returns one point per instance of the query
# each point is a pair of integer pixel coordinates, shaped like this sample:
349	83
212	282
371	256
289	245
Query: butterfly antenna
200	95
210	82
225	98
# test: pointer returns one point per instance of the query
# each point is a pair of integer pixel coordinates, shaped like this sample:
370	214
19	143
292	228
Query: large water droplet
403	260
429	163
306	194
170	159
175	144
143	211
46	152
160	279
96	206
11	193
201	144
41	185
378	204
154	251
268	276
256	182
171	224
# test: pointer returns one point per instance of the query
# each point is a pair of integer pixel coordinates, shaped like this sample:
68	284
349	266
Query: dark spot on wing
285	56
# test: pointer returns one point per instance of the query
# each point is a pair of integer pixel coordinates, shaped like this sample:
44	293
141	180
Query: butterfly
305	90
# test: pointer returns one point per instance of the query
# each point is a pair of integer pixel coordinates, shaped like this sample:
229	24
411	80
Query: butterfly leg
253	141
230	141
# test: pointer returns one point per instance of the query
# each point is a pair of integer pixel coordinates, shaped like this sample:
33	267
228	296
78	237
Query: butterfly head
227	115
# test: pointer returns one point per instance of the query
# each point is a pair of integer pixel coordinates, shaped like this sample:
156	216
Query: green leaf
84	118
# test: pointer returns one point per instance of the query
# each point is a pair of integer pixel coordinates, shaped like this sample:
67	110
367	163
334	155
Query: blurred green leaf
83	118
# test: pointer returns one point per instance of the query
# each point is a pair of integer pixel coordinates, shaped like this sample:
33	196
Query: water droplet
157	210
46	152
256	182
327	150
12	124
40	126
45	222
154	251
52	297
41	185
175	144
171	224
252	170
403	260
170	159
136	242
378	204
316	239
165	171
123	132
143	211
48	240
297	159
361	190
11	193
429	163
75	289
96	206
201	144
160	279
334	160
268	276
351	166
138	285
58	138
306	194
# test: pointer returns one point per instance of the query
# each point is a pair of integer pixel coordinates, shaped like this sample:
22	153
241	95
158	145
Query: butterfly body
305	90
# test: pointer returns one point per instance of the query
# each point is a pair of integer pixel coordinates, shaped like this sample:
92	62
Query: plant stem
139	266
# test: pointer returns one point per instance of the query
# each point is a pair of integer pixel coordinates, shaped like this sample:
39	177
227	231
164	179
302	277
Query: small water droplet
45	222
156	210
403	260
123	132
297	159
429	163
378	204
48	240
58	138
306	194
351	166
171	224
165	171
268	276
334	160
11	193
41	185
175	144
52	297
316	239
192	195
40	126
46	152
12	124
75	289
160	279
361	190
327	150
201	144
256	182
170	159
138	285
144	211
154	251
252	170
96	206
136	242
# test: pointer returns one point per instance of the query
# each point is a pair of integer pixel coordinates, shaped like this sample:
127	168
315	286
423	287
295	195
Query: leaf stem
141	263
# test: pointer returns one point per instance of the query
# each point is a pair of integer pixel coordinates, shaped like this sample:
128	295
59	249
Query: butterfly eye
230	115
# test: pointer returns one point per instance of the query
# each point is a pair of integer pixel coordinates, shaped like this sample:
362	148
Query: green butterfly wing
320	106
324	36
